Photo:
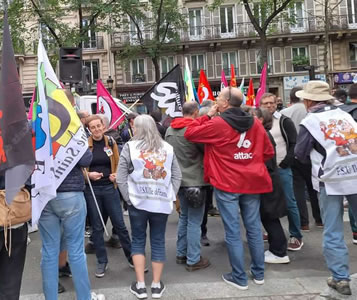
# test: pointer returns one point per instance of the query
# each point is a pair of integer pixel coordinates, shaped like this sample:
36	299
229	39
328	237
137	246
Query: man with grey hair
234	165
83	115
284	134
190	159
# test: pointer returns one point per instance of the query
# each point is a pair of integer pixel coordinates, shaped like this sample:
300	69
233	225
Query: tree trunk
80	16
155	61
264	49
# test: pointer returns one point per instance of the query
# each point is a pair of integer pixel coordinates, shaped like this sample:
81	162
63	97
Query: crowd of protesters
260	164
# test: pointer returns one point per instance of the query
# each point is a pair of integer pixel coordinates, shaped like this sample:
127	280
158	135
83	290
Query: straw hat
315	90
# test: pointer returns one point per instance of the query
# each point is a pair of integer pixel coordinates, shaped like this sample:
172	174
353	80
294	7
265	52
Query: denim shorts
157	221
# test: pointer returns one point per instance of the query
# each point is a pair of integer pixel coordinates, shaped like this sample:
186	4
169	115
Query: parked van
89	103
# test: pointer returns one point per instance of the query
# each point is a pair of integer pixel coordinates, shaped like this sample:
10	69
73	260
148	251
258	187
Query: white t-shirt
278	138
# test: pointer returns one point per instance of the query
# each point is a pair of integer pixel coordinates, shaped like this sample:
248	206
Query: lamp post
110	82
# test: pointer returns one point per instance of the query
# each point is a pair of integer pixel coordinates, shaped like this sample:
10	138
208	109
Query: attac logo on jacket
243	143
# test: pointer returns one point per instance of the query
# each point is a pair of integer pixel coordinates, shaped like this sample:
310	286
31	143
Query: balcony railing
138	78
246	29
94	43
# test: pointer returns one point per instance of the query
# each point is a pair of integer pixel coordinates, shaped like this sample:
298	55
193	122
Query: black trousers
208	190
12	267
276	237
302	180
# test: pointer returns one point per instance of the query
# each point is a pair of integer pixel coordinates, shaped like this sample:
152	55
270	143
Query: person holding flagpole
102	174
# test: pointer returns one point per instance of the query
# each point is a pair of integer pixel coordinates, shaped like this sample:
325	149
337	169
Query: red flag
233	77
250	94
204	90
107	106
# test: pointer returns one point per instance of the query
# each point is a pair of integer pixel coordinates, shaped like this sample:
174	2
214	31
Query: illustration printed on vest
154	164
342	133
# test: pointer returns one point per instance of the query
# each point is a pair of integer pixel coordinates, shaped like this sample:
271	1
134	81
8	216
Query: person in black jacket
12	266
284	134
273	205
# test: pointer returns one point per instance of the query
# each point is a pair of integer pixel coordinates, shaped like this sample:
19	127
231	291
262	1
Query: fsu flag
250	95
204	89
224	82
17	159
59	138
233	82
263	84
168	93
107	106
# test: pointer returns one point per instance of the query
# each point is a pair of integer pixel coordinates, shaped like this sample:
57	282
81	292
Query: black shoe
204	241
89	248
61	288
213	212
156	293
131	265
65	271
181	260
114	243
139	293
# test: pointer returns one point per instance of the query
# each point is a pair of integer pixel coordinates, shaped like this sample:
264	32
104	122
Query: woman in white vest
149	178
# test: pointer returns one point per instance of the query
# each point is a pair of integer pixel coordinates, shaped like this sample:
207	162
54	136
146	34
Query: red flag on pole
204	90
107	106
250	94
233	77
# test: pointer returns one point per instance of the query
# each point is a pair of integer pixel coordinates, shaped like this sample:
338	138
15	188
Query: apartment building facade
216	39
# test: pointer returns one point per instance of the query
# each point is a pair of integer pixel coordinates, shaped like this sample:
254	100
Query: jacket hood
179	123
238	119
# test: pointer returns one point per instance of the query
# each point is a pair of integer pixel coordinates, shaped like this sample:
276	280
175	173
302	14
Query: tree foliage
155	27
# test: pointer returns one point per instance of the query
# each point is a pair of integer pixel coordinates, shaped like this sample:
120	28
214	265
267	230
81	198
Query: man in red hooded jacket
236	147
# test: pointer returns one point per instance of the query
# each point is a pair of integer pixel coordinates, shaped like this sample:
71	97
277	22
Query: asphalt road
305	275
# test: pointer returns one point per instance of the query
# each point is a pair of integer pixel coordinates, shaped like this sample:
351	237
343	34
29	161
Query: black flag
16	152
168	92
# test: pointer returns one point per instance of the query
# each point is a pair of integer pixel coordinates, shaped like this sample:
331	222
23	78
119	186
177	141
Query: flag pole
96	203
117	120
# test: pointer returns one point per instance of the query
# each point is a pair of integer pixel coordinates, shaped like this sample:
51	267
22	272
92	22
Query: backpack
19	211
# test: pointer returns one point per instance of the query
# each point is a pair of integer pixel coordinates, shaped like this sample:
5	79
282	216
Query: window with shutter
218	64
352	13
210	65
288	60
197	64
314	56
243	62
276	60
228	59
227	21
150	70
138	70
127	73
252	53
195	23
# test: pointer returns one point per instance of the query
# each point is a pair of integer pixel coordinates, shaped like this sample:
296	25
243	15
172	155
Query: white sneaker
126	213
28	240
32	228
95	296
270	258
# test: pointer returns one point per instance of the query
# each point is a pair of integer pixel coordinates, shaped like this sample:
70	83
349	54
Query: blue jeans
333	244
108	200
229	205
157	221
189	230
286	179
67	211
